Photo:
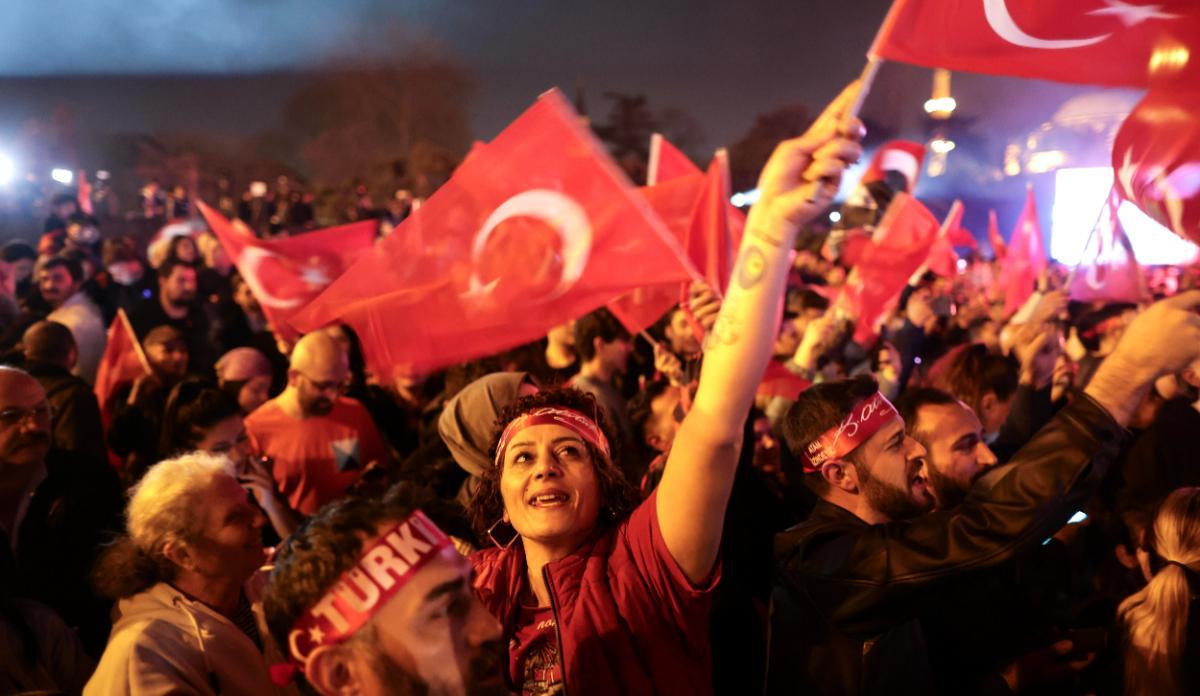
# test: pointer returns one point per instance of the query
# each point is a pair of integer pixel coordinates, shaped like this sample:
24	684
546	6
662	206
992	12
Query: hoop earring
491	534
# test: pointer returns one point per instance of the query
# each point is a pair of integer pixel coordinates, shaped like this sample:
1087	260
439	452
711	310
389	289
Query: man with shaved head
319	440
55	511
50	355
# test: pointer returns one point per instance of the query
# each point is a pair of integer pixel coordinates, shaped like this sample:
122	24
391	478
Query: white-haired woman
1161	630
188	621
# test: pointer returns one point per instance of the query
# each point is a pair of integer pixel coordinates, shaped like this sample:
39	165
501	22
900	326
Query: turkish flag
1102	42
1109	271
666	162
1026	257
286	274
999	248
123	361
900	245
958	235
84	195
695	207
537	228
779	381
943	260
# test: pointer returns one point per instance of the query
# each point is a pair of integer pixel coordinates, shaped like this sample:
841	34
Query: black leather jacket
847	594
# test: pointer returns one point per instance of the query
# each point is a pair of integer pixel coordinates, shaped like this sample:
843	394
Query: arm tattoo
727	328
751	267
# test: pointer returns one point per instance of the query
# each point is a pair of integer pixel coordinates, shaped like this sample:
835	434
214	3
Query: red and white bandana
864	420
568	418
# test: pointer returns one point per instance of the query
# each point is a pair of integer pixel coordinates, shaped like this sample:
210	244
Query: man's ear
336	669
987	403
841	474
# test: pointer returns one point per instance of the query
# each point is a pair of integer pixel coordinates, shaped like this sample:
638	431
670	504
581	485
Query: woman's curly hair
618	496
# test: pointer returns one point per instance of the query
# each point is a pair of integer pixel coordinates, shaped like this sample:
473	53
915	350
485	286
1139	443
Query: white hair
162	505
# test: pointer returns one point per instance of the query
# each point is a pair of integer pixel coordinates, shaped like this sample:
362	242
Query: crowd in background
1028	526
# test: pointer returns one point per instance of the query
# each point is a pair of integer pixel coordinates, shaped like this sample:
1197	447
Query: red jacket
629	621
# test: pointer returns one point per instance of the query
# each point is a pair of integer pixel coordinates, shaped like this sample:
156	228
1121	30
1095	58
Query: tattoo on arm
751	267
727	328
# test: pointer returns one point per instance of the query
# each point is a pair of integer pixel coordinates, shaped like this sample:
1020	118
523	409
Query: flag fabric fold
1108	270
286	274
1103	42
538	227
123	361
899	246
999	247
1025	259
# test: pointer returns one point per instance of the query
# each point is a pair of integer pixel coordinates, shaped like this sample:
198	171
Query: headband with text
568	418
865	419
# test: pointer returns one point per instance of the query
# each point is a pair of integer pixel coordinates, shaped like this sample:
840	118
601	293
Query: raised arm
796	185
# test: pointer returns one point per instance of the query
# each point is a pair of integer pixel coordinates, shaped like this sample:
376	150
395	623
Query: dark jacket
847	594
77	428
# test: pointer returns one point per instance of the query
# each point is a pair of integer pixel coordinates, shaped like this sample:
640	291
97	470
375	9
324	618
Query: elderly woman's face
230	541
551	495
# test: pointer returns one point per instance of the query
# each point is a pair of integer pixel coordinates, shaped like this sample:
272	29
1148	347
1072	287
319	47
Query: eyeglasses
339	387
12	417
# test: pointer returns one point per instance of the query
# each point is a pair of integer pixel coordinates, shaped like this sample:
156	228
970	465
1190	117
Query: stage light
835	216
940	104
1079	194
962	265
1046	161
8	169
942	145
62	176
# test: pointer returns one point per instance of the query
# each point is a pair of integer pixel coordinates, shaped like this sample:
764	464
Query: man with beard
176	306
320	441
420	630
953	438
852	580
55	511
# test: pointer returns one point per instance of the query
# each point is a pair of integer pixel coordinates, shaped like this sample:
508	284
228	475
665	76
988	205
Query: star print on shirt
346	455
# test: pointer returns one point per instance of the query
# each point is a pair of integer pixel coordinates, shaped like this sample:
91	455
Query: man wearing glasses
320	440
55	512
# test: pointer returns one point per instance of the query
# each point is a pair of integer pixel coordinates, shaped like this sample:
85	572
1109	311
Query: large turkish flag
286	274
1104	42
538	227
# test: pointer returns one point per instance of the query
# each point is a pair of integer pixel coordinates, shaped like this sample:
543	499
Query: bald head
25	430
319	370
50	342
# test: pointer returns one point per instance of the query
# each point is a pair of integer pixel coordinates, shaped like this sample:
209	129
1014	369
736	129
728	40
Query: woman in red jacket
598	596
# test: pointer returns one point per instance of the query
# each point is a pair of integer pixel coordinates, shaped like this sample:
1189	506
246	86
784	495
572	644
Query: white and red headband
568	418
381	571
865	419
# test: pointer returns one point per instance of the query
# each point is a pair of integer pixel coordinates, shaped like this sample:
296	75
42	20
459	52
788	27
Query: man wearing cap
370	597
851	580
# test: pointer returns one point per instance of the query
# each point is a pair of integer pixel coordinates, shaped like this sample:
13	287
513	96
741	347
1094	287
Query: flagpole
1091	235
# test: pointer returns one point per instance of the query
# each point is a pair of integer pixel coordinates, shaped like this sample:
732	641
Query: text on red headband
865	419
381	571
568	418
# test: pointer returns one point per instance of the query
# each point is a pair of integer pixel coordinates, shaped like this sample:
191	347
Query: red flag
943	260
286	274
123	361
1104	42
85	194
958	235
900	245
537	228
1026	258
666	162
999	248
1109	270
779	381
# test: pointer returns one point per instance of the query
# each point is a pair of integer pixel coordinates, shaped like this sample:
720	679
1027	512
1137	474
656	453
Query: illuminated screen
1080	194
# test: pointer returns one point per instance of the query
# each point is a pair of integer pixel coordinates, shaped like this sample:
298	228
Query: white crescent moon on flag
1002	23
251	257
557	210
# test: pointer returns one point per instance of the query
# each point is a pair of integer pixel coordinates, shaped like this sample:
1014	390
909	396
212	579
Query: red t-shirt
316	458
534	665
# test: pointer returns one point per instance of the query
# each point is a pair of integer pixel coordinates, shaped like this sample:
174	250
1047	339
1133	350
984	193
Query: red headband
381	571
865	419
568	418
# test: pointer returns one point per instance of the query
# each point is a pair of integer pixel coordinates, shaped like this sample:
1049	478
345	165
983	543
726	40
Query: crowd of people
973	503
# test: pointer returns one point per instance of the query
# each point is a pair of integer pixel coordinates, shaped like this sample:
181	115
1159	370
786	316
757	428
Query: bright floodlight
62	176
835	216
1079	194
8	169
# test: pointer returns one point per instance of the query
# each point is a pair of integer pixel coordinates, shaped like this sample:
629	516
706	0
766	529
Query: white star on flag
314	276
316	634
1131	15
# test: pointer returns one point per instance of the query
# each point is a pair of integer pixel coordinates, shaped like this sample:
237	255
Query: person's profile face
435	632
957	454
